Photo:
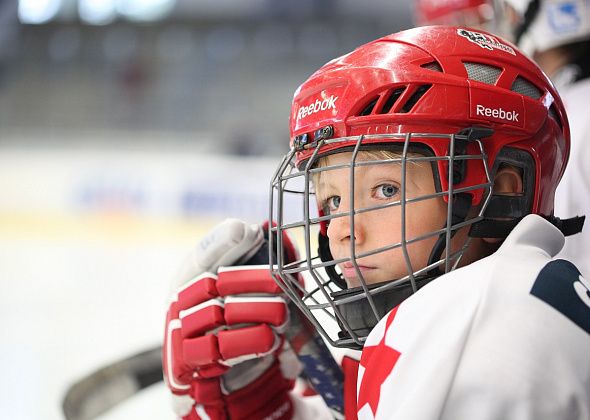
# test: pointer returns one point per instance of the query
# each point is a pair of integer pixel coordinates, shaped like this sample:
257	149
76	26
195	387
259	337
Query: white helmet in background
539	25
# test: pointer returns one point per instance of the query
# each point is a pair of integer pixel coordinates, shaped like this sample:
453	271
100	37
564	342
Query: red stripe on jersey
350	368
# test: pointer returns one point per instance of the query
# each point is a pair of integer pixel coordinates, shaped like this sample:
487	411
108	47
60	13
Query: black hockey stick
108	386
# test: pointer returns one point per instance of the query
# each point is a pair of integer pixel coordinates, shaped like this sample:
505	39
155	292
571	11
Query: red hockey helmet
464	100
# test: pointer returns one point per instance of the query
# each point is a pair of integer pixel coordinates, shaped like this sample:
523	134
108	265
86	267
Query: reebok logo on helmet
496	106
317	106
499	113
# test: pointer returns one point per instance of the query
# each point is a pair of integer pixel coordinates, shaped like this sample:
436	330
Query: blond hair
363	155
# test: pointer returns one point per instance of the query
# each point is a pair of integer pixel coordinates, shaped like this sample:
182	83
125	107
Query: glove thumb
232	242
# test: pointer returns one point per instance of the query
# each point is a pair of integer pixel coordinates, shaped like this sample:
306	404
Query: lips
349	271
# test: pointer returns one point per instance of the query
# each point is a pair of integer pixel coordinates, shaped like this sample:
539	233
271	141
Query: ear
508	181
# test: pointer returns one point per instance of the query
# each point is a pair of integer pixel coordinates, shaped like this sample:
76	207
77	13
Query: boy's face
376	185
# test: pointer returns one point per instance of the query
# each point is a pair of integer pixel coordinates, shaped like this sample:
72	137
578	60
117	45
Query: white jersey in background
504	338
572	197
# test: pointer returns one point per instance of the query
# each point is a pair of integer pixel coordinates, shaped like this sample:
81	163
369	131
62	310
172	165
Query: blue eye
386	191
334	202
331	204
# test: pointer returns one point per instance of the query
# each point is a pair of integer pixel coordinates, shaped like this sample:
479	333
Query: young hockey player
420	180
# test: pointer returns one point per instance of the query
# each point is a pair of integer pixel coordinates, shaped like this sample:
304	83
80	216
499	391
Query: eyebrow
321	188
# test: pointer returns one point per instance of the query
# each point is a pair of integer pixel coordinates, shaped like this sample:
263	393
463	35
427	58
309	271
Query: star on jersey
377	369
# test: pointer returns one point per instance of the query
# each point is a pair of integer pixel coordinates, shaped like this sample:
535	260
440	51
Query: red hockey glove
224	352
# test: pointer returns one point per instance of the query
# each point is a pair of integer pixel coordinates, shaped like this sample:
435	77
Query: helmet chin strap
461	207
502	228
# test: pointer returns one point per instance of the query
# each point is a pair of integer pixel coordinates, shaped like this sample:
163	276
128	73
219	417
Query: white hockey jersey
572	197
504	338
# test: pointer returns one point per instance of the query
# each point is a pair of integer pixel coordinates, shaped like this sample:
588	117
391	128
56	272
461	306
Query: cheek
385	225
426	216
422	219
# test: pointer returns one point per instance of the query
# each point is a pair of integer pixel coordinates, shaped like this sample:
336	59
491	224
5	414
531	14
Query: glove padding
224	349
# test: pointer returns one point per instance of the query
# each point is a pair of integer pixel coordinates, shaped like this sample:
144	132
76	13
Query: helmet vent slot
553	114
393	97
433	66
526	88
482	72
369	108
414	98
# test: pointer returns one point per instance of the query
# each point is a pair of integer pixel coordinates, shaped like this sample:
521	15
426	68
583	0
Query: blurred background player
412	158
556	34
471	13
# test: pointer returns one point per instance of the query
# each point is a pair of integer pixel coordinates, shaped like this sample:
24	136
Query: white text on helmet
497	113
328	103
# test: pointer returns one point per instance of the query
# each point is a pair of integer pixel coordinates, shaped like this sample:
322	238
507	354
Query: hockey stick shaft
319	365
108	386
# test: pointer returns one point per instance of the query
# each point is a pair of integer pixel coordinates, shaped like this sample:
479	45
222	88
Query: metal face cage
345	316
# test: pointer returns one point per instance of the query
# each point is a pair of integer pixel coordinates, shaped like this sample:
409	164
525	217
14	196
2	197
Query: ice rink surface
85	266
71	307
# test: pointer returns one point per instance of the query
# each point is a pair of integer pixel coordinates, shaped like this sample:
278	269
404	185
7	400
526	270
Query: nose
343	228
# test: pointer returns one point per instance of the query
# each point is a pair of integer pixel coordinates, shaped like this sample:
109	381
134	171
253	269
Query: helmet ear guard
504	212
